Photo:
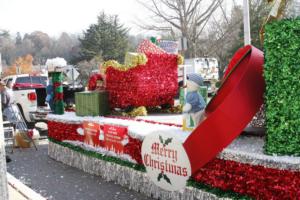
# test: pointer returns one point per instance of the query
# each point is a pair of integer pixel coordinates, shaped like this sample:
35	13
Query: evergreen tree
108	39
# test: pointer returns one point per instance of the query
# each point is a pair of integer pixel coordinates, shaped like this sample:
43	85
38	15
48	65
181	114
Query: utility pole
3	180
247	35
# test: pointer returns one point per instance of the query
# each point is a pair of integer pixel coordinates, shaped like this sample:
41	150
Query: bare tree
186	17
227	36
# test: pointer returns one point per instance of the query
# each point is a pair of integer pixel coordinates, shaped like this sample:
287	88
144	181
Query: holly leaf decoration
168	141
159	177
166	178
161	139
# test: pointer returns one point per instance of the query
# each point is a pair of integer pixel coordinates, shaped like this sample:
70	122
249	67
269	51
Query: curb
22	189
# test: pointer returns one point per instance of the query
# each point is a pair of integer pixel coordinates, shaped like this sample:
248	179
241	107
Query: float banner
115	138
166	161
228	113
91	133
169	46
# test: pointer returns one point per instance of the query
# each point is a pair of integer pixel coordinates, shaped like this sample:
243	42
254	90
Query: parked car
29	94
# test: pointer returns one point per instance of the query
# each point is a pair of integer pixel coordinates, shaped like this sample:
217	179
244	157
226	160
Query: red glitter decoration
255	181
152	84
146	46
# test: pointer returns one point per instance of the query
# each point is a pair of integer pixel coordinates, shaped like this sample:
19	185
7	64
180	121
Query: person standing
50	94
6	99
9	88
6	102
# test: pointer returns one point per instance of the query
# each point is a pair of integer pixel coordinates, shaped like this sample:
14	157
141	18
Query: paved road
55	180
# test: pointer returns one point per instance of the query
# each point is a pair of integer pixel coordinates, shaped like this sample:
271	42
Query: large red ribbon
229	112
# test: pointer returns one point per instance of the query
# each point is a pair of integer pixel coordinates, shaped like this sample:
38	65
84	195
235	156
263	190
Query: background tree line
211	30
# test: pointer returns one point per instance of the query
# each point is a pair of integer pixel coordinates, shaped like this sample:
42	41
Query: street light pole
247	35
3	180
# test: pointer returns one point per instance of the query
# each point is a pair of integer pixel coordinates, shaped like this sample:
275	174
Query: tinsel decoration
57	78
180	59
242	167
132	60
139	111
130	175
135	59
148	78
146	46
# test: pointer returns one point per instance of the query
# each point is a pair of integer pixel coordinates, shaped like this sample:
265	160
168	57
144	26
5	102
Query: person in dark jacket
50	94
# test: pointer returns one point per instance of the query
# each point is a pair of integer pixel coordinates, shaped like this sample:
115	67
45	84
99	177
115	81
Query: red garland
255	181
62	131
152	84
134	149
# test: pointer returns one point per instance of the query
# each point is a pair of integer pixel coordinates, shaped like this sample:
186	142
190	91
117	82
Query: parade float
213	161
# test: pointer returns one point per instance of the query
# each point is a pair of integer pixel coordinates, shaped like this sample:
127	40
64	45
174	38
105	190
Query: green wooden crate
92	103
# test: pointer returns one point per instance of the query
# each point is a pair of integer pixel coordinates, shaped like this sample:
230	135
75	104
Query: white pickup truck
29	93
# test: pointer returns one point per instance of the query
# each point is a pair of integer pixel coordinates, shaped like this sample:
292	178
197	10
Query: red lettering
146	159
184	172
162	166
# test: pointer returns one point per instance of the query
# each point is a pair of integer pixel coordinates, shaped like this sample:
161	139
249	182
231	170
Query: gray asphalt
57	181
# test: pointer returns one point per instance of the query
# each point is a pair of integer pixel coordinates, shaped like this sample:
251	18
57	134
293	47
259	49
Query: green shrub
282	97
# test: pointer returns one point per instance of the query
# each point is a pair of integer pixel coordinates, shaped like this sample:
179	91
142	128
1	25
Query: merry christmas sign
166	161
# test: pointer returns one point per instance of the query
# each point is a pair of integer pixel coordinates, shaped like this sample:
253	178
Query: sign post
247	35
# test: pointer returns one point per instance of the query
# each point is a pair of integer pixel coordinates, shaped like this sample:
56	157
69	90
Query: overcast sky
72	16
56	16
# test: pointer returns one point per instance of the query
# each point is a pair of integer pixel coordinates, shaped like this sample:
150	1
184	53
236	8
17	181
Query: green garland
141	168
282	97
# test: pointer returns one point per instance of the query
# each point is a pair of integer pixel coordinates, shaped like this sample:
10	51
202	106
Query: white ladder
14	115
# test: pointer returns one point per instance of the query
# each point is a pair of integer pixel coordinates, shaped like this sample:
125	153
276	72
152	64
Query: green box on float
93	103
